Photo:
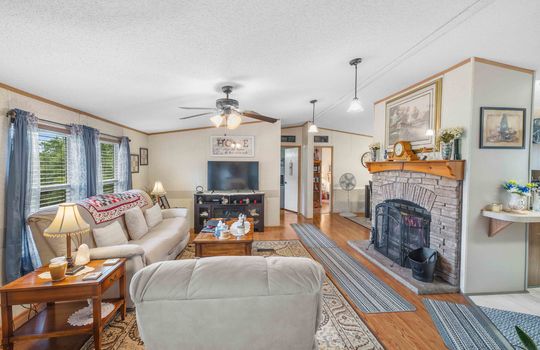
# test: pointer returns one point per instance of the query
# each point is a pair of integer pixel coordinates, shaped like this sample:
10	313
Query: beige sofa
244	302
162	242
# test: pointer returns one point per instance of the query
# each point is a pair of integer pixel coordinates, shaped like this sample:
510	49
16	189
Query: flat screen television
233	176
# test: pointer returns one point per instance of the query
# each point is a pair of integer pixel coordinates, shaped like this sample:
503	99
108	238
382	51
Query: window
109	166
53	168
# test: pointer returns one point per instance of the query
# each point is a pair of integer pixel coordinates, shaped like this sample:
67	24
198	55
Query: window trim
54	187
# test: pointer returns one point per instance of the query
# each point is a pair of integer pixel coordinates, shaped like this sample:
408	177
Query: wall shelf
453	169
500	220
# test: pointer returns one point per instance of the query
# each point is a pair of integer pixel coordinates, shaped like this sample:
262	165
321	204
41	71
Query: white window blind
53	168
109	167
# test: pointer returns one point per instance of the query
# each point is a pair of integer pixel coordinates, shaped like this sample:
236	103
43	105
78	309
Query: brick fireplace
440	197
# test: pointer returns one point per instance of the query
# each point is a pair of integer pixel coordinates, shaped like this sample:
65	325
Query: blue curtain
124	168
22	191
91	150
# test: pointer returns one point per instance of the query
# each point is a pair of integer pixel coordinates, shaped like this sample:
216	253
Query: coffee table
206	244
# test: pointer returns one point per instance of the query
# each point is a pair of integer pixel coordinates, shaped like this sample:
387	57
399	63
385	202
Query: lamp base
74	269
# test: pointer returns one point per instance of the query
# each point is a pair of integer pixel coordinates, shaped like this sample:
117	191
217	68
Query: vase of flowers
447	139
518	195
374	150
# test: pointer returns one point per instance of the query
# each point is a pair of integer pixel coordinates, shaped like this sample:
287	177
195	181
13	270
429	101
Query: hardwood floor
400	330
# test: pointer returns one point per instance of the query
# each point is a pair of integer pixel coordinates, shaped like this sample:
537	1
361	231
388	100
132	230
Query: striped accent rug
366	291
507	320
465	327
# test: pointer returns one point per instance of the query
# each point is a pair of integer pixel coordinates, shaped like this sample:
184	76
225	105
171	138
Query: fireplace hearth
400	226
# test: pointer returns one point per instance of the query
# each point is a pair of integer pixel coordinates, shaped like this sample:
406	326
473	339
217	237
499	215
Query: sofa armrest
116	251
174	213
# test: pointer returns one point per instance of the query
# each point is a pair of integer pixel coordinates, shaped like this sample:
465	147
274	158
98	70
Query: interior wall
179	161
10	100
495	264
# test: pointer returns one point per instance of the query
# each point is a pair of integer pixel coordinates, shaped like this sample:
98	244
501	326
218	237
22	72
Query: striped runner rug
367	292
464	327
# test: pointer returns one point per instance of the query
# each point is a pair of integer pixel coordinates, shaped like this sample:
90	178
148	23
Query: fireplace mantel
452	169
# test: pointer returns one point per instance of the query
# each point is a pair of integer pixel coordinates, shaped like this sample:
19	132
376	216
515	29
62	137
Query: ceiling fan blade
212	108
258	116
195	115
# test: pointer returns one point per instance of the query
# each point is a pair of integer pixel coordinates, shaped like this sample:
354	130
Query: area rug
369	293
465	327
506	321
360	220
341	327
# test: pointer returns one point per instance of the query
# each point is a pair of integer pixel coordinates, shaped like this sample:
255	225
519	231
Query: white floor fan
347	182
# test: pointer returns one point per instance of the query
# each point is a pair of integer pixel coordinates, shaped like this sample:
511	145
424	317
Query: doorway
290	178
323	192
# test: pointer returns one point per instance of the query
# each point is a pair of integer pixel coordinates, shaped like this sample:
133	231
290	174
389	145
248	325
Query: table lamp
68	221
158	190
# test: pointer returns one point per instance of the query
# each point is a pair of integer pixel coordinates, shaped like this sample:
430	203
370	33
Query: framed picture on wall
143	153
134	163
536	131
232	146
502	127
410	115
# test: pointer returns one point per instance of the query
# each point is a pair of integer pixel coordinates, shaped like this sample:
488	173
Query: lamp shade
233	120
355	106
67	221
313	128
158	189
217	120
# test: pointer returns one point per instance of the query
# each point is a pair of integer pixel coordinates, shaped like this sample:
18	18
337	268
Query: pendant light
356	105
312	127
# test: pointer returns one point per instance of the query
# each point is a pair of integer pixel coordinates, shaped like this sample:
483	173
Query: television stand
228	205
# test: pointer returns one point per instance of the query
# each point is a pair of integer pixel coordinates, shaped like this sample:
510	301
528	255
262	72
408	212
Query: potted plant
374	149
518	194
448	138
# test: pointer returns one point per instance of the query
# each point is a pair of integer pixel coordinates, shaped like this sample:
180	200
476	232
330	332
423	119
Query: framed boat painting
502	127
410	115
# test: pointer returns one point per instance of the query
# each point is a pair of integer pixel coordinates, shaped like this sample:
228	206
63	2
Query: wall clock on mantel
403	151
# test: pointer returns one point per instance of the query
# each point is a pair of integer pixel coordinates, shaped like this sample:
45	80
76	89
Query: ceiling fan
226	112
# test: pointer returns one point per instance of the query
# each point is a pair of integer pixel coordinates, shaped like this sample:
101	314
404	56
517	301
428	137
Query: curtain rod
10	114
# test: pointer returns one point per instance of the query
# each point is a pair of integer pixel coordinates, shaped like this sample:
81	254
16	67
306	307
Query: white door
291	179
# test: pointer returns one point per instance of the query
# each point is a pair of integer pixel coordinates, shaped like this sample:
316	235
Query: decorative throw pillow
135	223
153	216
110	235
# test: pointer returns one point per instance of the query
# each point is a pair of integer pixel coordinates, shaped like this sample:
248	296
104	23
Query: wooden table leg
97	322
122	286
7	323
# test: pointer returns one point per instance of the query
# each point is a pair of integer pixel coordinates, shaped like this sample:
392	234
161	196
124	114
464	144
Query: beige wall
10	100
495	264
179	160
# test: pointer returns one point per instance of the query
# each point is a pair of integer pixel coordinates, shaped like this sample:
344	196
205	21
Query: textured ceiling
134	62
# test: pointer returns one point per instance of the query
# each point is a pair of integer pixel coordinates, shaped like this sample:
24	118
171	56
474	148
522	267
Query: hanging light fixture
356	105
312	127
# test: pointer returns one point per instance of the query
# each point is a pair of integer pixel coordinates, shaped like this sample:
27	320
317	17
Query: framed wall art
134	163
410	115
143	156
232	146
502	127
536	131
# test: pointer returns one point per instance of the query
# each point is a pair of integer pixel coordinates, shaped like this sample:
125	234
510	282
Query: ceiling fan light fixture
217	120
233	120
355	106
312	127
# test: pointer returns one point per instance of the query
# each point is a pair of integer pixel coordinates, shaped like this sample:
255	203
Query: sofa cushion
135	223
153	216
109	235
162	239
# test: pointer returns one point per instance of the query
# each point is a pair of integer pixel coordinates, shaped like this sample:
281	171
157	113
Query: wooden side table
72	292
